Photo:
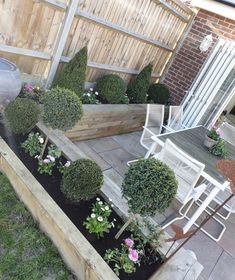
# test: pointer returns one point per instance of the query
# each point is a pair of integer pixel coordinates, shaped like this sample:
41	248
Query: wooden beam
61	39
183	6
174	10
53	3
110	67
24	52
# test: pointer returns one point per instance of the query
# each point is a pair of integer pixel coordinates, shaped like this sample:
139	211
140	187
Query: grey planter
10	82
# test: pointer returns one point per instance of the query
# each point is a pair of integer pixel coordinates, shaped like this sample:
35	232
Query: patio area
112	153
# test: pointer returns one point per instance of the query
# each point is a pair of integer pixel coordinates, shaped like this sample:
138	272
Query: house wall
188	60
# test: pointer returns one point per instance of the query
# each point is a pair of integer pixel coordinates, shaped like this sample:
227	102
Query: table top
191	142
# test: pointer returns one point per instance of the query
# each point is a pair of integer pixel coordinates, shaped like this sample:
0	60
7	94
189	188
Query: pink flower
46	160
133	255
28	87
51	158
218	131
129	242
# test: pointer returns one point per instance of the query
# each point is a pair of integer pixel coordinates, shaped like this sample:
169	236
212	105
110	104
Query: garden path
112	153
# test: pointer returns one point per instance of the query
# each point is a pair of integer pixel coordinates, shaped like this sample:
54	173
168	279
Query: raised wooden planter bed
108	119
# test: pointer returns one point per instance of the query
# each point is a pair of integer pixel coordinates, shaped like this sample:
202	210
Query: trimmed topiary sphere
158	93
62	108
21	115
82	180
149	186
137	88
73	75
112	89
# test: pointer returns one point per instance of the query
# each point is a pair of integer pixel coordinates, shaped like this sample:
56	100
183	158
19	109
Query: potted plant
211	138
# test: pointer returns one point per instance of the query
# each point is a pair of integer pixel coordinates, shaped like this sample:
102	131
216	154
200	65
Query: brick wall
189	59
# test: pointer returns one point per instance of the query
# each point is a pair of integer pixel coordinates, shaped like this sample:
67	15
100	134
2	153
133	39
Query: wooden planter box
108	119
76	251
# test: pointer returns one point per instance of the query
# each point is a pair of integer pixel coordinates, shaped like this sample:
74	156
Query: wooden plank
110	67
53	3
61	41
173	10
24	52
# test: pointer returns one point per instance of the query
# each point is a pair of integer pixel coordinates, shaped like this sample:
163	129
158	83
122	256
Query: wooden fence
122	35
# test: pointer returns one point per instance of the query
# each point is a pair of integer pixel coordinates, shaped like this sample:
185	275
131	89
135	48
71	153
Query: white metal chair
153	124
227	132
174	119
187	171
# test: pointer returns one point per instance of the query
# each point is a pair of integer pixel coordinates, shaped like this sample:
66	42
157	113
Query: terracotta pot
209	142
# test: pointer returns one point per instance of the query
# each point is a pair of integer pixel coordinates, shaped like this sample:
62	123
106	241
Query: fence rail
122	36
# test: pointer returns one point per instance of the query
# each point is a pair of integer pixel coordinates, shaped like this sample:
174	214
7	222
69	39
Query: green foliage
219	149
149	186
62	108
61	167
213	134
21	115
98	222
137	88
121	260
158	93
33	144
73	75
82	180
25	253
90	97
54	151
112	89
33	92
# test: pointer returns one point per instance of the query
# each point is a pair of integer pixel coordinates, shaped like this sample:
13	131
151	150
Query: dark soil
76	212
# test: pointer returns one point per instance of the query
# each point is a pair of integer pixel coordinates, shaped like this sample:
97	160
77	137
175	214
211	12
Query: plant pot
209	142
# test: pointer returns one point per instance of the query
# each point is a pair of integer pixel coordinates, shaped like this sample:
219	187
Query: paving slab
224	269
103	144
227	242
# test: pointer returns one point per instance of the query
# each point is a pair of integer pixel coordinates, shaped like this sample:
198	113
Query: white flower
93	215
88	94
100	202
98	199
112	224
46	160
91	89
96	93
37	156
102	209
106	208
112	205
51	158
41	140
110	199
100	219
114	220
67	164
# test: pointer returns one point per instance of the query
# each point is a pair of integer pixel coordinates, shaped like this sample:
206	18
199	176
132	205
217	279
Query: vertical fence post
61	40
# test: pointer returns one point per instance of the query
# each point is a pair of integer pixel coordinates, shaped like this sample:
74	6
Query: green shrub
112	89
82	180
21	115
62	108
158	93
149	186
137	88
73	75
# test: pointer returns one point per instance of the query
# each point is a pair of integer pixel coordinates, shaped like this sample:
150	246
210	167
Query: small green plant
126	258
98	222
32	92
158	93
137	88
112	89
73	75
54	151
61	167
219	149
21	115
33	144
214	134
46	165
90	97
82	180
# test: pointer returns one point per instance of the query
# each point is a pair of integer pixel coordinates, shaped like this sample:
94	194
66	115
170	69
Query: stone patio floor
112	153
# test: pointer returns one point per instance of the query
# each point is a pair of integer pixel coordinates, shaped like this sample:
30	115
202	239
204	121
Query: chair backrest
227	132
187	169
175	117
154	116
